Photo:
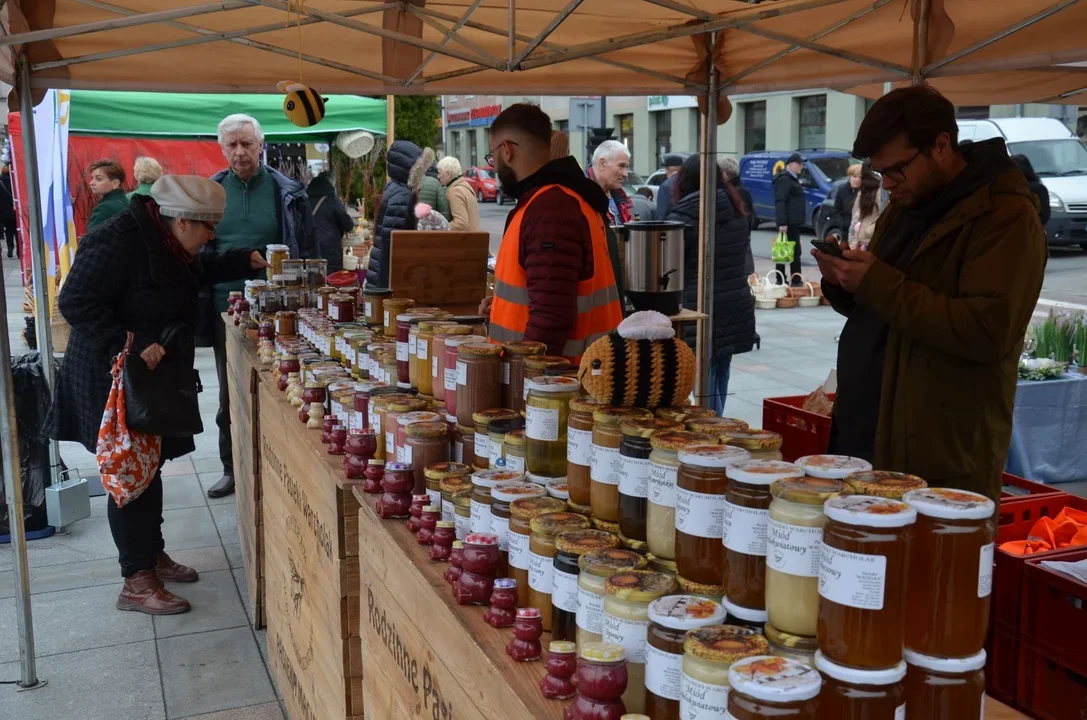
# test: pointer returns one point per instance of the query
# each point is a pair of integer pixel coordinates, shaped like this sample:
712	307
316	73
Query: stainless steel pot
652	258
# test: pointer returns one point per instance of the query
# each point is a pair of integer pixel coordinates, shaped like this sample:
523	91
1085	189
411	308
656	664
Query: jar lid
435	429
557	384
685	612
582	542
496	476
605	563
748	615
661	564
586	404
601	652
950	504
459	340
458	544
408	317
505	425
645	427
376	291
724	643
615	414
558	488
883	483
539	362
690	587
639	585
524	347
551	524
516	438
561	647
763	472
479	349
679	439
600	524
446	524
397	467
568	369
432	508
485	417
807	490
452	419
530	507
505	584
951	666
869	511
853	676
715	425
420	497
529	613
834	467
510	491
752	439
635	716
713	456
407	403
440	471
469	319
682	413
277	248
480	539
400	301
454	483
775	679
800	643
465	429
418	416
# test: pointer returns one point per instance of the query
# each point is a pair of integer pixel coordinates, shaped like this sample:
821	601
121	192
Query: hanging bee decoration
303	105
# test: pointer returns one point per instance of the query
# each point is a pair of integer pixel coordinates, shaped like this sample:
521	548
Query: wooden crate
243	382
310	543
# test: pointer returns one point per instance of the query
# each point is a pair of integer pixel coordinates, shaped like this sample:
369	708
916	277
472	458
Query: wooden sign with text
440	269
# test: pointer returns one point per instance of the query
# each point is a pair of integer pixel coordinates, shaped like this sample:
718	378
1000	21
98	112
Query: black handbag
162	401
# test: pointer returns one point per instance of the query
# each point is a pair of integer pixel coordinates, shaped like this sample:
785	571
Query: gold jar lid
605	563
807	490
645	427
385	400
524	348
883	483
286	315
615	414
437	312
586	405
640	586
581	542
478	350
692	588
605	525
462	500
551	524
755	440
486	417
539	363
678	439
454	484
466	429
529	508
515	438
724	644
426	429
683	413
660	564
406	404
396	302
451	330
715	425
441	471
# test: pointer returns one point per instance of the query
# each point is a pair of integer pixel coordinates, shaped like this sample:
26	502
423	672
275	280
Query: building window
626	134
472	147
813	122
456	144
754	127
563	126
664	133
972	112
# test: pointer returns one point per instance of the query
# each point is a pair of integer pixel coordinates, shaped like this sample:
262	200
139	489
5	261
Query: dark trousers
222	417
793	234
11	235
137	528
719	374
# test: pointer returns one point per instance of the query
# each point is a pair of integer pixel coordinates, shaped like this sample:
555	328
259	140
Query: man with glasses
937	307
554	281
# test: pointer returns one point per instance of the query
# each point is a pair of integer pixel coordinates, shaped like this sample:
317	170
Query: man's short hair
113	170
610	150
921	112
525	118
237	121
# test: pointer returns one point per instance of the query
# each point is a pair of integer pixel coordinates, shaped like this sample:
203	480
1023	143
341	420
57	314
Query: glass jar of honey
449	363
425	444
522	511
462	515
626	622
670	618
881	483
275	255
947	596
502	496
832	467
482	483
286	323
397	405
541	570
497	432
482	420
708	654
391	308
373	300
314	274
478	386
863	565
454	486
513	371
850	693
579	440
537	365
438	367
661	507
404	348
606	463
762	444
434	475
596	568
423	341
403	422
795	647
744	528
547	413
701	483
766	686
683	413
634	451
569	547
515	444
413	346
715	426
939	687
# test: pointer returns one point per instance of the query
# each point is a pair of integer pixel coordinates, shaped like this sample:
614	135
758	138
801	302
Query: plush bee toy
303	105
642	364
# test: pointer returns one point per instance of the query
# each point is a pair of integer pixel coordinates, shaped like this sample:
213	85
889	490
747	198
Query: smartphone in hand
830	248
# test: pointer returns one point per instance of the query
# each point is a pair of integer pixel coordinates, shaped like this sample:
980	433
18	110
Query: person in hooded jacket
733	309
397	210
330	220
1036	186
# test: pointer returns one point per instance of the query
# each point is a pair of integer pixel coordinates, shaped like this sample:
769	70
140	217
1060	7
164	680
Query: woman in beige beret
141	273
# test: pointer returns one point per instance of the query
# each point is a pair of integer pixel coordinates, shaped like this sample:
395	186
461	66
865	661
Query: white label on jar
448	513
481	517
607	464
634	476
590	611
413	344
482	445
699	514
458	451
400	454
578	443
985	571
743	530
463	526
435	497
900	712
390	443
494	453
564	591
368	308
334	312
505	373
542	423
372	418
401	352
337	408
852	579
663	671
500	528
354	420
662	485
462	373
524	393
701	701
518	550
422	350
450	380
515	463
434	366
407	454
631	634
541	573
793	549
386	318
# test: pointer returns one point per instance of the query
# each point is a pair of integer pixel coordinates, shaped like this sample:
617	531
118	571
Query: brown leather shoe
143	592
170	571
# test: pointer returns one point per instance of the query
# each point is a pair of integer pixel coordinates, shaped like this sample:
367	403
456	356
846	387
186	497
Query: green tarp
181	115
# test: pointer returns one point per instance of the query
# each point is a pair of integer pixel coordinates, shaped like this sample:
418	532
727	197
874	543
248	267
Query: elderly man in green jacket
937	307
106	179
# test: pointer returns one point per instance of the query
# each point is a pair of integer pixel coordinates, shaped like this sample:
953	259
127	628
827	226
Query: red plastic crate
802	432
1025	488
1002	665
1054	612
1048	689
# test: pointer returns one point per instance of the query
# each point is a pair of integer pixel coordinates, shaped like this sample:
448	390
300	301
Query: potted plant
1079	343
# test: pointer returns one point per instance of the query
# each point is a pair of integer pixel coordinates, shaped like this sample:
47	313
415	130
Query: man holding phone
937	308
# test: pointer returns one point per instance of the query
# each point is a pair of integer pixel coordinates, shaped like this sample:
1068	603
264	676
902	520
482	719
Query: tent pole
390	129
704	343
920	39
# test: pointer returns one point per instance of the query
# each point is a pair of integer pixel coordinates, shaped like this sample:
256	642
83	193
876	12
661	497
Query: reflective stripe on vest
598	307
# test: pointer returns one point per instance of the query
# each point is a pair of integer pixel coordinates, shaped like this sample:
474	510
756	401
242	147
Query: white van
1060	161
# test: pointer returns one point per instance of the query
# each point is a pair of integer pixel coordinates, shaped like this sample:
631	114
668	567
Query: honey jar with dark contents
513	371
634	451
605	460
569	547
766	686
541	562
670	618
945	687
522	511
852	694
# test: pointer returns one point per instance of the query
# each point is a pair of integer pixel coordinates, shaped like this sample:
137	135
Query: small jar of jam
428	523
478	566
415	512
337	440
396	486
601	681
945	687
286	323
626	622
634	451
503	610
527	629
561	665
708	654
882	483
569	547
595	569
522	511
375	471
670	618
606	462
852	693
456	555
266	330
441	541
232	298
863	563
373	300
541	568
768	686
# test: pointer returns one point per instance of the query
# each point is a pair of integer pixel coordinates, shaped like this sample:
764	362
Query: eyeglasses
489	157
896	173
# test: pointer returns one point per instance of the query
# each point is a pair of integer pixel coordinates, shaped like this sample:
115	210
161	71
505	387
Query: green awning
181	115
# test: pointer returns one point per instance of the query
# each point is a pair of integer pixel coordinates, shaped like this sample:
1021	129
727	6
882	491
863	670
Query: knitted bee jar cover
642	364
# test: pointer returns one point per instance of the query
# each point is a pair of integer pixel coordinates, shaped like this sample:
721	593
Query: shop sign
669	102
476	117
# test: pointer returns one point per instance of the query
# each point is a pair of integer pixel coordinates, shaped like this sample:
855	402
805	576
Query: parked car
822	168
483	181
1060	161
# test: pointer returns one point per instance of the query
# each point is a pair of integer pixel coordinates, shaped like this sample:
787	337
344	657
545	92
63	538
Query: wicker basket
787	302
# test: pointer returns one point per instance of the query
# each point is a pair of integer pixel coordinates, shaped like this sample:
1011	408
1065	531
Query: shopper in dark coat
7	211
789	208
139	273
844	199
397	211
330	219
1034	184
730	168
733	310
